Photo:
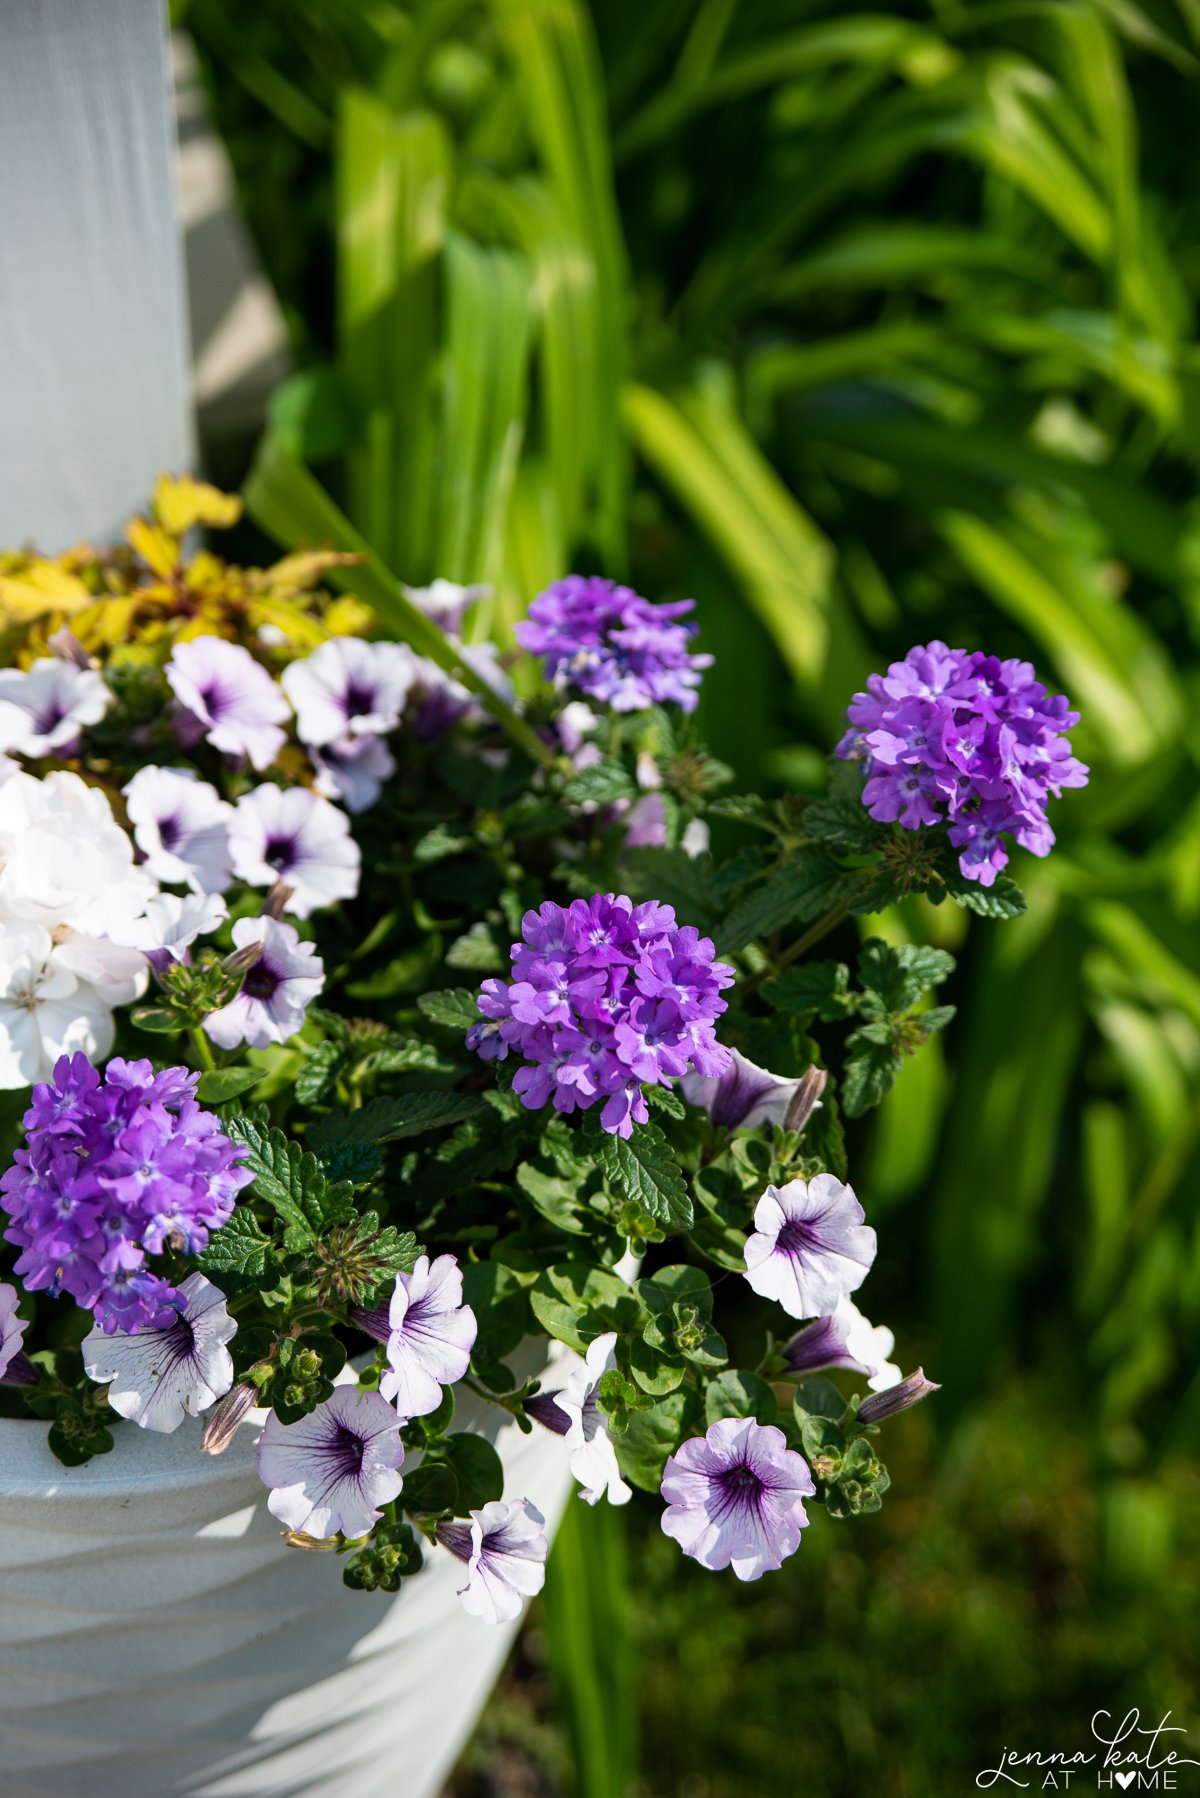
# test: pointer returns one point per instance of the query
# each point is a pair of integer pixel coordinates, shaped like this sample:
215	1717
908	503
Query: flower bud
64	644
275	903
456	1537
544	1408
805	1099
240	961
218	1431
909	1392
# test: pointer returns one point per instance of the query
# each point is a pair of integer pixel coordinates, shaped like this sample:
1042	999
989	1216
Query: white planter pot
157	1638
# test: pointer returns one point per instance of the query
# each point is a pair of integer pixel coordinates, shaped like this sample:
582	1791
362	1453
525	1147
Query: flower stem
203	1049
822	927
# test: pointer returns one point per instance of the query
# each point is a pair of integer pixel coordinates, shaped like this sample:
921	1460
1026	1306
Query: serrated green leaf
899	973
674	878
643	1169
1004	899
870	1069
320	1072
844	823
389	1119
292	1180
455	1007
819	989
240	1247
477	949
793	894
600	785
661	1098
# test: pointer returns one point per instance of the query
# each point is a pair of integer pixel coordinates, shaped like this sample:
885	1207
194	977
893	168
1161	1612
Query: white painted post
93	327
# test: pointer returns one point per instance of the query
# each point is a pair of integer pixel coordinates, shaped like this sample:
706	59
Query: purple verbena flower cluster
610	643
115	1170
606	996
957	736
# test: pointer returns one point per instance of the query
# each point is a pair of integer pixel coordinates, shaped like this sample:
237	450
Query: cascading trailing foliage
442	1023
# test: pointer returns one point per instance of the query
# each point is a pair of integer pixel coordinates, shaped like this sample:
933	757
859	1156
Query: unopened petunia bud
240	961
909	1392
20	1372
219	1430
544	1408
805	1099
66	646
275	903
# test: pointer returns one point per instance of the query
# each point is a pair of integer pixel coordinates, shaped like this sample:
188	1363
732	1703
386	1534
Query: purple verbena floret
115	1170
606	997
958	737
610	643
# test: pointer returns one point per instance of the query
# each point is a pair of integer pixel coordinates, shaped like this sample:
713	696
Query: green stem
822	927
203	1048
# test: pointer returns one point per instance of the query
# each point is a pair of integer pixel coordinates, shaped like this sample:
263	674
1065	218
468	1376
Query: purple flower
505	1549
292	835
897	1396
335	1468
430	1336
158	1376
113	1171
735	1497
12	1327
43	710
610	643
181	826
231	697
593	1457
810	1245
744	1096
606	996
353	770
275	993
446	603
844	1339
348	687
958	737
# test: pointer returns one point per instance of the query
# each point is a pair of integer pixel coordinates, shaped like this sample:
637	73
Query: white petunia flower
46	1009
844	1339
44	710
231	697
12	1327
293	835
353	770
181	826
593	1457
173	922
446	603
64	860
160	1376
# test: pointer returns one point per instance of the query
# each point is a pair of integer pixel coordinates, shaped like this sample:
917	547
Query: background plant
901	309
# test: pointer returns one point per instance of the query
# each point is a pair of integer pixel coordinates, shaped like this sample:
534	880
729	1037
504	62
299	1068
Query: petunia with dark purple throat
505	1547
745	1095
156	1377
810	1245
276	989
735	1497
293	835
229	697
334	1469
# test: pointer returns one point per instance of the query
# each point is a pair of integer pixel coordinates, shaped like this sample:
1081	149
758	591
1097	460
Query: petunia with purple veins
810	1245
744	1096
847	1340
44	708
157	1377
335	1469
735	1497
430	1336
504	1547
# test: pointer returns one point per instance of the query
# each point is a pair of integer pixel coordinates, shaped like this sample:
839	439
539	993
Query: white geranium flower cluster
71	904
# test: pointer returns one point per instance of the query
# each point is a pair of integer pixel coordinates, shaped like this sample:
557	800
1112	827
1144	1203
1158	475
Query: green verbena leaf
455	1008
219	1085
644	1170
388	1119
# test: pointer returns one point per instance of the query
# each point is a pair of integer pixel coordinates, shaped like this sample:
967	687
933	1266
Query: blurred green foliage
865	328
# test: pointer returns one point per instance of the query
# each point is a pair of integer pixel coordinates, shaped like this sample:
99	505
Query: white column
93	328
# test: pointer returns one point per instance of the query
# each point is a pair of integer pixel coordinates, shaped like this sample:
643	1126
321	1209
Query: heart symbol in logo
1125	1780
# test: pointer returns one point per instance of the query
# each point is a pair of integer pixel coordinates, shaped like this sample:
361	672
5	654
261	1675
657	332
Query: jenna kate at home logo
1130	1756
